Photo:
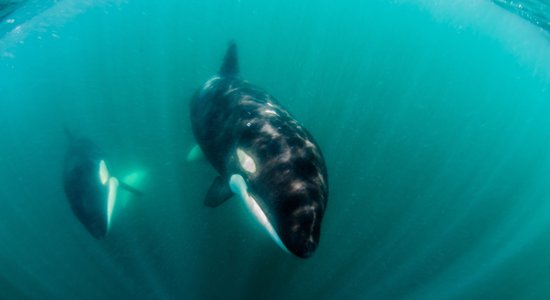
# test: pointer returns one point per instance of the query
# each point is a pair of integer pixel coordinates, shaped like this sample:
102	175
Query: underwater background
433	117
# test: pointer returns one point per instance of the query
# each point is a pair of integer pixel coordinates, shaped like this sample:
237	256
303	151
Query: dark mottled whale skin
87	195
243	130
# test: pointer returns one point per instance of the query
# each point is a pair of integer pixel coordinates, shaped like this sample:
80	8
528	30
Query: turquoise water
433	119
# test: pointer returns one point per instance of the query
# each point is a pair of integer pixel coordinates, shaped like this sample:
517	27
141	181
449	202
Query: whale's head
287	193
300	229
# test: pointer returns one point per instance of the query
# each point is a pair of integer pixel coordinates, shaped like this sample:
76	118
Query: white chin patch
111	199
247	163
238	186
103	172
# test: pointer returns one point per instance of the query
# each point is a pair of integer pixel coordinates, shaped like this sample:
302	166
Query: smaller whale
89	187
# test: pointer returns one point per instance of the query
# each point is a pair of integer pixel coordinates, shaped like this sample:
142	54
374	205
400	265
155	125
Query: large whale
89	187
263	155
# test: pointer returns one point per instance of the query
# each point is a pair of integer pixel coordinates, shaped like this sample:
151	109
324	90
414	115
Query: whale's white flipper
111	200
239	187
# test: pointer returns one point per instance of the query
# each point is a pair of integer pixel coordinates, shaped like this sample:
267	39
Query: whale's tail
133	183
118	202
123	185
230	65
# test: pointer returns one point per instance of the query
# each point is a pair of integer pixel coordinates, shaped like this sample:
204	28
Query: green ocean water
433	117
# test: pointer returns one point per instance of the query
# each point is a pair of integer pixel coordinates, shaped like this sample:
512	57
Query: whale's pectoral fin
195	154
218	193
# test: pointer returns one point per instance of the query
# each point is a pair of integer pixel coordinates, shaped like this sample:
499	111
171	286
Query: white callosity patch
247	163
309	144
297	186
308	210
271	112
111	199
230	90
267	128
210	82
103	172
239	187
286	155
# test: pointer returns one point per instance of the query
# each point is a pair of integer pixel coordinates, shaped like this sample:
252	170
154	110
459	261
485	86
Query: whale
90	188
263	155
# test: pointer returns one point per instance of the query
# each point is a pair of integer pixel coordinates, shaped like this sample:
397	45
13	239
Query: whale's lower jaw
239	187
